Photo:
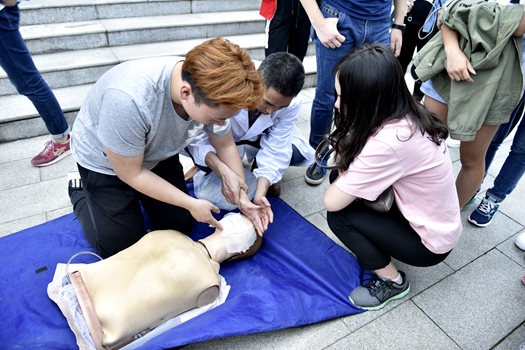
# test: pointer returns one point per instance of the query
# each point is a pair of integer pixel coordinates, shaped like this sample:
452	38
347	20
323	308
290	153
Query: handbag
384	201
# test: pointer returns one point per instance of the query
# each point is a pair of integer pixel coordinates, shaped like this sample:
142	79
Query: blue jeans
514	166
356	31
16	60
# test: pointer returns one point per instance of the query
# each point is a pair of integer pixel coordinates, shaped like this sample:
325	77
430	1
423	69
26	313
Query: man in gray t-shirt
132	126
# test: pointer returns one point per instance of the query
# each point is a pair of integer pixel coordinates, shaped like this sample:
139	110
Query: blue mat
298	277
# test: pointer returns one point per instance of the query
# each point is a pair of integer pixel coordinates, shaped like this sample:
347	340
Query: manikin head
237	240
283	75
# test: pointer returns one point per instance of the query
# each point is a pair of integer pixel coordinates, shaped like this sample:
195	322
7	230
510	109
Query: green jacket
485	31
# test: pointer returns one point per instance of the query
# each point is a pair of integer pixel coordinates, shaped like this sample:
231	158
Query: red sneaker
52	153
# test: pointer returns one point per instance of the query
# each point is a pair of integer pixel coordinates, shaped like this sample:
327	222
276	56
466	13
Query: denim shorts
428	89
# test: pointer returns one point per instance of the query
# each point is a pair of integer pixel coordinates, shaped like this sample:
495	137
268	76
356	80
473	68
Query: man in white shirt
266	135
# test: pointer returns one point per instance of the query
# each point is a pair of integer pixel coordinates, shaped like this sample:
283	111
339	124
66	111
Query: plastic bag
209	187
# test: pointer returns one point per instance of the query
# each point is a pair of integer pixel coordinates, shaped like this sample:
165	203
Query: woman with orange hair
132	126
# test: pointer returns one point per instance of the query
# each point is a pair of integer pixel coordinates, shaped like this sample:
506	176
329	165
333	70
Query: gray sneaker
378	292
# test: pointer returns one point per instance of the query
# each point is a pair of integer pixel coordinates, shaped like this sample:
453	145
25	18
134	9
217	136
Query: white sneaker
451	143
520	241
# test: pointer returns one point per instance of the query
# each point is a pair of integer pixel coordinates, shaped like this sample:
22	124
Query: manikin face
238	239
239	233
273	101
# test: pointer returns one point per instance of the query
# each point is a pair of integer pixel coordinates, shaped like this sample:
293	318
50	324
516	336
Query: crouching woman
382	137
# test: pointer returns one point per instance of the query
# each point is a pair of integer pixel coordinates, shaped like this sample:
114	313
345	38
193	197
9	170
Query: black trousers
109	210
411	41
374	237
289	29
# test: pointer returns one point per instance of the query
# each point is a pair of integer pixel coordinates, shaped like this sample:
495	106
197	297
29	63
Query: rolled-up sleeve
276	144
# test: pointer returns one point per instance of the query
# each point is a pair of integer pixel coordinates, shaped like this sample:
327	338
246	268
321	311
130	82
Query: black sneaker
378	292
317	177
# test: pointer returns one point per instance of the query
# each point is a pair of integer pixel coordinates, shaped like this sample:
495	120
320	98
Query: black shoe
274	190
317	177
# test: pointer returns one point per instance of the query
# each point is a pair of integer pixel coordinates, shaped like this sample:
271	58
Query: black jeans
374	237
289	29
109	210
411	41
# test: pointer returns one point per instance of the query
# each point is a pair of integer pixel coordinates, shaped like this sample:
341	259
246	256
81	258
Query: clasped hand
231	186
260	215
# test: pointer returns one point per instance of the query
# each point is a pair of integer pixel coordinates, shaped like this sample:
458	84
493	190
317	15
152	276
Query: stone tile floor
473	300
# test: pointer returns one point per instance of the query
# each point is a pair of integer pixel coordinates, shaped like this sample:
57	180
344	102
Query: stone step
58	11
57	37
19	119
63	69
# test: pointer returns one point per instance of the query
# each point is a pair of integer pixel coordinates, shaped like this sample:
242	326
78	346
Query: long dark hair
373	93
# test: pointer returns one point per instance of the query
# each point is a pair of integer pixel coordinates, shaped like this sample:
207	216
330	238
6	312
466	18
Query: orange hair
221	73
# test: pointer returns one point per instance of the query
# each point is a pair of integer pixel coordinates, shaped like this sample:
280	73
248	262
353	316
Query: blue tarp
298	277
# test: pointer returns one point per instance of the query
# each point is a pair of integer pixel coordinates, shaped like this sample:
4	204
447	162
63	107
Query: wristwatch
401	27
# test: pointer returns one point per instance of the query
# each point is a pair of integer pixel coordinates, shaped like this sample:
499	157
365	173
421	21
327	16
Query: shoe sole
380	306
60	157
313	182
474	222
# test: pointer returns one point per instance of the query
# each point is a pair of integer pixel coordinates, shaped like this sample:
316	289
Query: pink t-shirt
421	175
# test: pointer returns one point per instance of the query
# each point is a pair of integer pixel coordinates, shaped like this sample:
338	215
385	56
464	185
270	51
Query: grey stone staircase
73	42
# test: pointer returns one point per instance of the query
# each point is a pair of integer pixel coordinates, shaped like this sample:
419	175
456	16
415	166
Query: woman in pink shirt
382	137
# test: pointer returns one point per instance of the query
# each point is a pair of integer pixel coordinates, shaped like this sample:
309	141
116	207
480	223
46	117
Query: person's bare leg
389	271
437	107
472	156
61	139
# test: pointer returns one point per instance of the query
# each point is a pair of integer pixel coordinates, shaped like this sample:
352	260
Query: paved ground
473	300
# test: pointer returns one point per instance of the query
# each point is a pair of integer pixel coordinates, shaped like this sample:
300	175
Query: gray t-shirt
129	111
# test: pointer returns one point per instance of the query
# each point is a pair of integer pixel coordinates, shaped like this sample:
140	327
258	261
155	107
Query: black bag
384	201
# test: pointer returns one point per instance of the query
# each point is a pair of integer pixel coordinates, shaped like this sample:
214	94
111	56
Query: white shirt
277	131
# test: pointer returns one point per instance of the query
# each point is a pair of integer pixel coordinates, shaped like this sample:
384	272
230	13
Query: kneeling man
129	132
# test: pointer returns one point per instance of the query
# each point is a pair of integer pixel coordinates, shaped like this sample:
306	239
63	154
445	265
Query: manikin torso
165	266
161	276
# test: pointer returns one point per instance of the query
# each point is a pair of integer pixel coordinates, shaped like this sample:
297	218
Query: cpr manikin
161	276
